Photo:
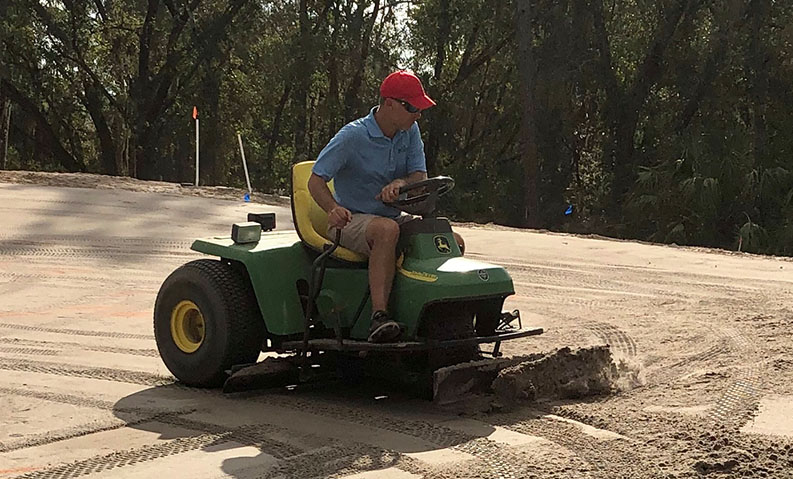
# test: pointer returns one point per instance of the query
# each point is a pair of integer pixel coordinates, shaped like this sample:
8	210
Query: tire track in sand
77	332
493	455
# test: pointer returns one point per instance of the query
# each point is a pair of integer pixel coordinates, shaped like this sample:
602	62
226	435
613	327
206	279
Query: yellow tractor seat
311	221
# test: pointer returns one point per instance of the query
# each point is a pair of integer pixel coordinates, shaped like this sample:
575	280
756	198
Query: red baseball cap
404	85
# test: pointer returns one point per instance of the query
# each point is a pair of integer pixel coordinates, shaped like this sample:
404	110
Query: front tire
206	319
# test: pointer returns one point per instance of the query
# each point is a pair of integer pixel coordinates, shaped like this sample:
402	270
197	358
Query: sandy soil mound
505	384
561	374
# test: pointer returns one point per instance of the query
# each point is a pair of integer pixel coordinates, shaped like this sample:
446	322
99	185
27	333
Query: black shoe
383	328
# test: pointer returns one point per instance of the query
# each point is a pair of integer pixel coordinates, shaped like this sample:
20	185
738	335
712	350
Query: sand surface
708	333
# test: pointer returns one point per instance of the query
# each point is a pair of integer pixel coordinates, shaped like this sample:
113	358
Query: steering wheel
419	198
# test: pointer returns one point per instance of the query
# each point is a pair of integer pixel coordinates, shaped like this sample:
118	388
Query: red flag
195	113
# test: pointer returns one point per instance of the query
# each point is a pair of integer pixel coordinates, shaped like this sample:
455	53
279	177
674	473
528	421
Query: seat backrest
311	221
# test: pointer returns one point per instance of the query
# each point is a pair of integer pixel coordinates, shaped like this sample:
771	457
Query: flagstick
245	165
196	151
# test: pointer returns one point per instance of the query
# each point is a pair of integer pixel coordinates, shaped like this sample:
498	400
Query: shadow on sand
310	431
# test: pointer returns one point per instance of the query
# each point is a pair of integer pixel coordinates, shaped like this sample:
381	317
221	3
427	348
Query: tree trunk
303	83
623	108
757	70
444	31
334	111
156	92
527	69
143	164
434	128
107	147
363	33
5	124
718	44
213	166
275	134
45	131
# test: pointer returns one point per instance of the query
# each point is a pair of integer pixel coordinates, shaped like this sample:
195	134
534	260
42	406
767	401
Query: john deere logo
442	245
483	275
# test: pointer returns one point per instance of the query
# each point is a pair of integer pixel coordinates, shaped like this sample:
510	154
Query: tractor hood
463	265
457	270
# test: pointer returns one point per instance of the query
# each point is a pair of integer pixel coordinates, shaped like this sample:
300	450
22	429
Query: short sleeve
416	159
334	156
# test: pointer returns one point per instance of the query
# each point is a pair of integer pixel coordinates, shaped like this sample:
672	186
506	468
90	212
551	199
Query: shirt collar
371	125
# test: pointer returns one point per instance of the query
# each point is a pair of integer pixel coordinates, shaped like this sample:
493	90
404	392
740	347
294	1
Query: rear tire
206	319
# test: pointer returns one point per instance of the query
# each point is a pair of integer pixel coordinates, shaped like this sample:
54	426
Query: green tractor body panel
430	269
347	288
275	264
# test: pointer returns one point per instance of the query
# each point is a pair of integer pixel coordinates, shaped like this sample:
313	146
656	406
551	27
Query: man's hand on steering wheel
339	216
390	192
417	198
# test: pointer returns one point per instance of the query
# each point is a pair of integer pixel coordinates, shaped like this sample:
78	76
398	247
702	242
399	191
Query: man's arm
338	216
391	191
319	190
415	177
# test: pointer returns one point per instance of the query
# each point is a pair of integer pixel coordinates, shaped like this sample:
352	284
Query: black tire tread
245	328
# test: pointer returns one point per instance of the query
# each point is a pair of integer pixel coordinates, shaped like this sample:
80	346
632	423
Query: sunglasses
410	108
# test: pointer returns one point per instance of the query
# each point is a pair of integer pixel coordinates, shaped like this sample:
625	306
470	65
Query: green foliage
666	122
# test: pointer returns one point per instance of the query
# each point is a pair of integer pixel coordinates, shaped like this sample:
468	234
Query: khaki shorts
353	236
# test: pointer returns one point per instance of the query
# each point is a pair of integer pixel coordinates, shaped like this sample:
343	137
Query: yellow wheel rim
187	326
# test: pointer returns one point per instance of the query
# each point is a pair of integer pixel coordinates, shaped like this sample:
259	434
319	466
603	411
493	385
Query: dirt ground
707	335
87	180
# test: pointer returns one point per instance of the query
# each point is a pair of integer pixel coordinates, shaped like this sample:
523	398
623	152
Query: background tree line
664	120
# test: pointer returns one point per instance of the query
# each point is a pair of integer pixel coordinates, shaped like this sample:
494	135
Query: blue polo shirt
361	160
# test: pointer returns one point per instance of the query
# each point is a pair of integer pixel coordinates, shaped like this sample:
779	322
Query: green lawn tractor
307	299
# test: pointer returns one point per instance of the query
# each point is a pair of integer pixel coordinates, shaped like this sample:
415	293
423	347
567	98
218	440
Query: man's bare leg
382	235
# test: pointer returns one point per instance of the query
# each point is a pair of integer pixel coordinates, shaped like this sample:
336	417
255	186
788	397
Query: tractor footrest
332	344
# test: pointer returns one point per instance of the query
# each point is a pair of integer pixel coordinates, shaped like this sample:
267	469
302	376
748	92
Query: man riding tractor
361	283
